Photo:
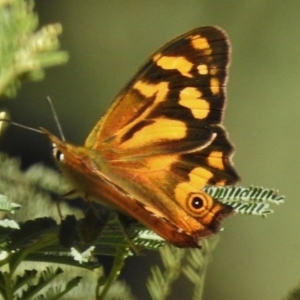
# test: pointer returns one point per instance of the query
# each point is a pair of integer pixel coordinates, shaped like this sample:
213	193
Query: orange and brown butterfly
161	142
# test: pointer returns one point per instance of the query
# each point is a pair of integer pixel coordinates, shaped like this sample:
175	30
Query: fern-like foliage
160	283
57	292
25	51
177	262
32	284
196	264
251	200
44	278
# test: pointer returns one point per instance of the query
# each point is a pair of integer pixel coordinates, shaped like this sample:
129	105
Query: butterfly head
68	157
58	146
57	153
77	163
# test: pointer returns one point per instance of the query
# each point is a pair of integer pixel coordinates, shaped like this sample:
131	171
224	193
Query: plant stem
119	260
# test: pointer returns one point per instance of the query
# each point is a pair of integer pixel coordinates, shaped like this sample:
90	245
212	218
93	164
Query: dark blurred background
107	41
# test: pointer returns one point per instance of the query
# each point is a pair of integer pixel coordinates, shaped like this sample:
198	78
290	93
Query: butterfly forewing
180	89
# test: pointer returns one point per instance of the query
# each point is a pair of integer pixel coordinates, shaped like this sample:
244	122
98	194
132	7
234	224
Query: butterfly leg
60	198
125	223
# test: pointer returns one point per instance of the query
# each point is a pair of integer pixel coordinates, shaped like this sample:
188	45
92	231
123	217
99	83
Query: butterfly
161	141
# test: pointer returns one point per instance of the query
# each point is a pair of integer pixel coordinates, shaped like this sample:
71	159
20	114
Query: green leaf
31	231
9	224
160	283
7	206
56	293
5	286
21	280
45	278
251	201
148	239
25	51
196	264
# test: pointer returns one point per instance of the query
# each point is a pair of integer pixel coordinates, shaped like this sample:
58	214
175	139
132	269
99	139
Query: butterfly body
161	142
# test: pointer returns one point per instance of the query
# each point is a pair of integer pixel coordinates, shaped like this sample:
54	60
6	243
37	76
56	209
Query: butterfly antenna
58	125
18	125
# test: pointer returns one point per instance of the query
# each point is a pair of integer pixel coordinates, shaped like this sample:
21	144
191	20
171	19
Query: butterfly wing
180	89
161	141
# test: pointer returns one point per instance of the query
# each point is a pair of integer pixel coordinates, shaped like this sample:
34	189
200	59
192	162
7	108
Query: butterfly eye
57	154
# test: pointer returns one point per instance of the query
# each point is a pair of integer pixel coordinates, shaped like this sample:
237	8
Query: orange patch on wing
213	70
160	163
199	177
202	69
215	159
214	85
179	63
161	129
190	97
182	192
149	90
201	43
